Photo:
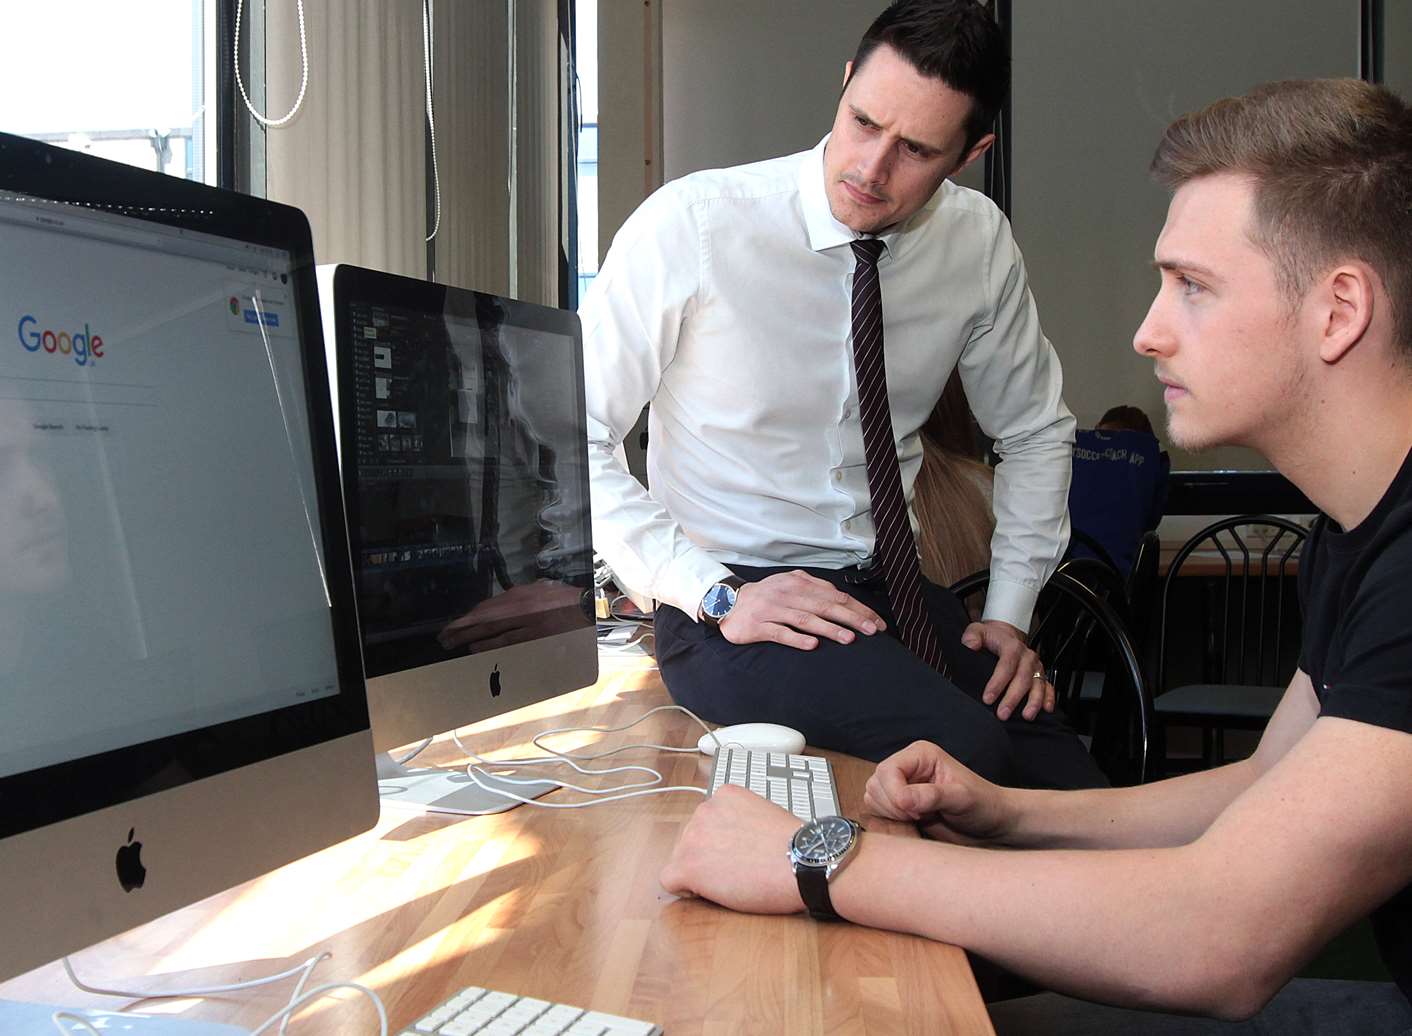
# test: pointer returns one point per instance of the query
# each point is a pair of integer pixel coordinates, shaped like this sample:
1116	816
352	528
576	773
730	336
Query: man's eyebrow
1179	265
921	145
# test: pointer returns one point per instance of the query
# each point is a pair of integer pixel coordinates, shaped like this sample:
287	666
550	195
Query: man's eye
1189	287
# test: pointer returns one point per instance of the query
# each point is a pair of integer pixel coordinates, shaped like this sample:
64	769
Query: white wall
1095	84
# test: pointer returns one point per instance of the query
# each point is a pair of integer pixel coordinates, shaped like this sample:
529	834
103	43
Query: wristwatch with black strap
718	601
817	852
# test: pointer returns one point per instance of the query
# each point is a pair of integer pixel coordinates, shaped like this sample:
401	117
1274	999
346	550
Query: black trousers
873	696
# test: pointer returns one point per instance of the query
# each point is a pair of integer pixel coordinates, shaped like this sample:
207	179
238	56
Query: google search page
160	568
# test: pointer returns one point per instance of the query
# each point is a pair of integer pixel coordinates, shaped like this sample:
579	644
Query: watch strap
814	890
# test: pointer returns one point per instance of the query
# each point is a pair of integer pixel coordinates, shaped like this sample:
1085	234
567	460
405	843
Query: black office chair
1248	628
1142	589
1081	641
1079	538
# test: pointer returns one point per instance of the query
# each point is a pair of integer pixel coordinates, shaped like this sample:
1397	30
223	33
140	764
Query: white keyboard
483	1012
802	784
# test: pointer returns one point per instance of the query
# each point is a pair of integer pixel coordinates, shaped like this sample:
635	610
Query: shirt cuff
687	583
1010	602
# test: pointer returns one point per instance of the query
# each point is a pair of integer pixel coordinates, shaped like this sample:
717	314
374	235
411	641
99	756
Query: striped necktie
895	547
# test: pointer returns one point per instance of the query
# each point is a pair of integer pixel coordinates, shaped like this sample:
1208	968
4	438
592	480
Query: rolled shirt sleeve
1015	386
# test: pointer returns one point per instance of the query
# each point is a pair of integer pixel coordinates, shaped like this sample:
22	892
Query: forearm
1173	812
1031	507
1130	927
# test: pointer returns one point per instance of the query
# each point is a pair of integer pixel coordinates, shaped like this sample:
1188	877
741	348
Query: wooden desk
559	904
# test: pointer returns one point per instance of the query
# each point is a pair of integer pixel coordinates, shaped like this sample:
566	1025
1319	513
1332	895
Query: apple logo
495	682
131	873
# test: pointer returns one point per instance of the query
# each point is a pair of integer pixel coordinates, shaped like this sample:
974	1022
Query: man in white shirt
725	303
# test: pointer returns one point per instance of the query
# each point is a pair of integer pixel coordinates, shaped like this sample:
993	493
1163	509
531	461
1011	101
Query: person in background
952	494
1119	486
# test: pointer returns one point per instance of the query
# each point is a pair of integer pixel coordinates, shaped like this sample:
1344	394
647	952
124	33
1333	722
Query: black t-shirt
1354	588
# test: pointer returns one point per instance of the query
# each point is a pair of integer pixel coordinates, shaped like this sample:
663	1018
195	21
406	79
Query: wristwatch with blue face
720	599
818	851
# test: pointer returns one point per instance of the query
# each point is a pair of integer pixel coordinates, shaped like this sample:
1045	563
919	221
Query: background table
559	904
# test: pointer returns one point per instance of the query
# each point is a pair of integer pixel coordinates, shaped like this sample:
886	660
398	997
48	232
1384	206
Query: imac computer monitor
465	471
181	700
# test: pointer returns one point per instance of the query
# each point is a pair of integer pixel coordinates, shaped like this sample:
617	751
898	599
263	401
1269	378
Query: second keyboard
802	784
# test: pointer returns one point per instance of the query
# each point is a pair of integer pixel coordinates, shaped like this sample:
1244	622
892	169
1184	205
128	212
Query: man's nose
877	163
1152	337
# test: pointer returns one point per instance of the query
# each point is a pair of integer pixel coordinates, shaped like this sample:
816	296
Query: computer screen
464	453
179	670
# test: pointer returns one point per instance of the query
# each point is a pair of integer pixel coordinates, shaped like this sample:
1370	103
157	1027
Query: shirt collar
825	232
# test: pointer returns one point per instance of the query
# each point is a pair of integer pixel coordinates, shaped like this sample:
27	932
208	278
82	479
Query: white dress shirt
725	303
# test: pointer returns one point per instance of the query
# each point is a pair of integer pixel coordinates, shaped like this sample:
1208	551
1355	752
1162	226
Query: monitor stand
18	1018
448	791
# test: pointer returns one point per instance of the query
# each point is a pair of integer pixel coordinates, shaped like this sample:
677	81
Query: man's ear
979	148
1346	300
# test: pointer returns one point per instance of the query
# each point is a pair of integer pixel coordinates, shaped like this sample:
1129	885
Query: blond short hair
1331	162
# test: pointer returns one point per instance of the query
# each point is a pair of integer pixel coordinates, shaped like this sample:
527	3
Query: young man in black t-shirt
1283	323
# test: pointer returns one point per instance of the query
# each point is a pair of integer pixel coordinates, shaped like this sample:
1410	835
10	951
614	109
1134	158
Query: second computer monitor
464	453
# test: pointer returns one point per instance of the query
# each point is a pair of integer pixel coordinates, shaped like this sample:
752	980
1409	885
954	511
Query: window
135	83
586	65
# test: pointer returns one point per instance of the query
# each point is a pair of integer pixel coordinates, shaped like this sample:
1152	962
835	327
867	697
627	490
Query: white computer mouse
758	737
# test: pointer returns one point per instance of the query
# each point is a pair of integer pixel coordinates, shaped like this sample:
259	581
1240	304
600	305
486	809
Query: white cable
556	756
428	40
138	994
316	993
507	793
302	970
303	62
414	752
476	770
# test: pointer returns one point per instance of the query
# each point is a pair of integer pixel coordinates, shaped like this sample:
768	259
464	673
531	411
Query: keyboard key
436	1019
562	1014
620	1026
495	1001
462	1026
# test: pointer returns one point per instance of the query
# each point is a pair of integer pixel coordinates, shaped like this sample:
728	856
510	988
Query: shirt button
847	412
837	475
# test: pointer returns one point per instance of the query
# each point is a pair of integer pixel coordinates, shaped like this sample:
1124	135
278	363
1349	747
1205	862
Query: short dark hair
1126	418
1331	164
956	41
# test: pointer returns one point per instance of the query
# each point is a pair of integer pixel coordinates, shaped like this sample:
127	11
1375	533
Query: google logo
84	346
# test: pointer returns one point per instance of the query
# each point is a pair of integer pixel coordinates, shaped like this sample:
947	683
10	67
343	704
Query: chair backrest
1081	638
1143	585
1095	550
1103	579
1247	601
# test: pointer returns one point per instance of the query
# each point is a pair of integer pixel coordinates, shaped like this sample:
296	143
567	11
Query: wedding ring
1039	675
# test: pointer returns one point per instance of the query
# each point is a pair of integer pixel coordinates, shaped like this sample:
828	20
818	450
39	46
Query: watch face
718	601
823	841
